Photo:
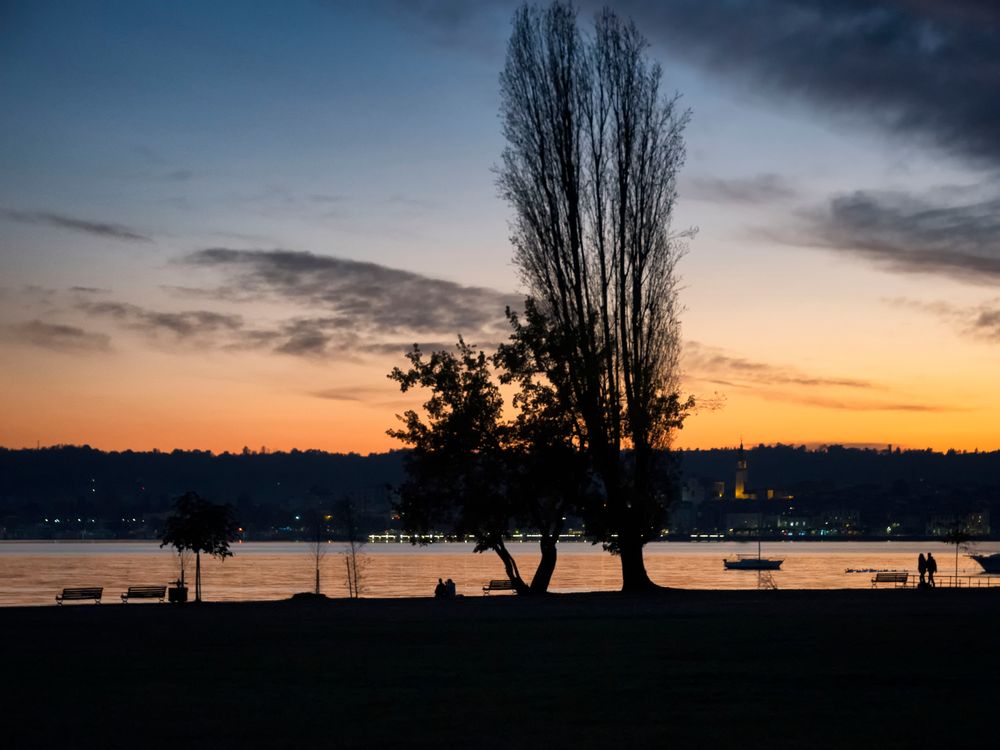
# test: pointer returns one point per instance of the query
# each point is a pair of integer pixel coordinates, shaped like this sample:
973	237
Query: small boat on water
751	562
989	563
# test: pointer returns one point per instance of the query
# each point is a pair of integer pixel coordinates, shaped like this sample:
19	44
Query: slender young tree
319	536
593	150
200	526
354	558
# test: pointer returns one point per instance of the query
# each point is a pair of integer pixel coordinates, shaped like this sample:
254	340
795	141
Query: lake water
34	572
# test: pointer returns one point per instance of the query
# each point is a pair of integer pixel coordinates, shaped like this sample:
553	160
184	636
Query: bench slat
500	584
145	592
78	594
890	577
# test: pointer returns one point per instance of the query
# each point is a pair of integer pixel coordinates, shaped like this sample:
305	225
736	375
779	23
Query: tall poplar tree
593	150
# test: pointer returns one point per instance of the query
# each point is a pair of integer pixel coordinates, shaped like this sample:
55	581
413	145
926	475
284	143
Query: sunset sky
221	224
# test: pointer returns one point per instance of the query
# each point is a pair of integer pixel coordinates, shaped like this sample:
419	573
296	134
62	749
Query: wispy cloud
754	189
714	365
360	393
981	321
823	402
56	337
775	382
96	228
89	290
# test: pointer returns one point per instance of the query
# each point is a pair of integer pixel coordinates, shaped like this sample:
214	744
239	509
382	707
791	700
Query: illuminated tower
740	486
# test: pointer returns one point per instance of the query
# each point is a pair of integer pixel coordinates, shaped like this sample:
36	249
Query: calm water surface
34	572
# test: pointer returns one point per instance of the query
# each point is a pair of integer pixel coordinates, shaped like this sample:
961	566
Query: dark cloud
925	69
761	188
57	337
986	323
98	229
909	233
348	310
182	325
365	297
307	337
917	68
713	365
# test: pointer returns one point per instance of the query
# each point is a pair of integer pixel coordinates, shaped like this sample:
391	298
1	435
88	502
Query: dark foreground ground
772	669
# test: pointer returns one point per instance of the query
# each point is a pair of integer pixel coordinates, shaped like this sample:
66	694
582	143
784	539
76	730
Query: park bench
144	592
894	577
500	584
80	594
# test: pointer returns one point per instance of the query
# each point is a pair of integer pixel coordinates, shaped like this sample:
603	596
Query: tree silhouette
319	535
593	150
200	526
960	537
354	560
475	473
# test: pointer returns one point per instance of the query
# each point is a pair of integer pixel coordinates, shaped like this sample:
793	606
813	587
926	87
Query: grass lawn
788	669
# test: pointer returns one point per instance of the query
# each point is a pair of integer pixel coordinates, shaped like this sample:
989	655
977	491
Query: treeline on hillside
839	466
273	493
141	480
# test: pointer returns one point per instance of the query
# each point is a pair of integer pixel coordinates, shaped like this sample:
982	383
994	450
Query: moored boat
989	563
751	562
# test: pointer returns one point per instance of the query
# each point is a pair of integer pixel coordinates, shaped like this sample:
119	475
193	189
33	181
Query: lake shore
885	668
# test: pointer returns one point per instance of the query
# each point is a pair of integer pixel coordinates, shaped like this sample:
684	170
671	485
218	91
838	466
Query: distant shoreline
584	542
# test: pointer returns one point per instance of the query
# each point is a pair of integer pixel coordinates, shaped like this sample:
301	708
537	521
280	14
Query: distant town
771	492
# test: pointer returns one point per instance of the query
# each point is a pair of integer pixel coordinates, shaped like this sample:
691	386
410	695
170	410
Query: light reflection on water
34	572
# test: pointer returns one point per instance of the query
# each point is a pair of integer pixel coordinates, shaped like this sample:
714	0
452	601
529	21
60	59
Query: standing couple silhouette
927	567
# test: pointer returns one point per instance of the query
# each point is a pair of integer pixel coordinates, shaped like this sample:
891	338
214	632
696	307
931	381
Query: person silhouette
440	591
449	589
922	568
931	569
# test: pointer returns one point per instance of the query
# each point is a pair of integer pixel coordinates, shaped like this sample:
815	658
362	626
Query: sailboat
750	562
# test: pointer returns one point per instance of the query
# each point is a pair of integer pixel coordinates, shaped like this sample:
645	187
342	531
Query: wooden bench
144	592
500	584
80	594
894	577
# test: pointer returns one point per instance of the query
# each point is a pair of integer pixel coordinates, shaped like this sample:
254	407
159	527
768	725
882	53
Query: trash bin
177	594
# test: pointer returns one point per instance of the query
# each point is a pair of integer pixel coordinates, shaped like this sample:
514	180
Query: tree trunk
635	580
510	566
197	576
546	566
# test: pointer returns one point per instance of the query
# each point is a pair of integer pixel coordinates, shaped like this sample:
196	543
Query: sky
222	224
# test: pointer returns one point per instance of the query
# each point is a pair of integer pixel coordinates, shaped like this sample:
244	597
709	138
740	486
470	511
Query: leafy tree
593	150
200	526
473	472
